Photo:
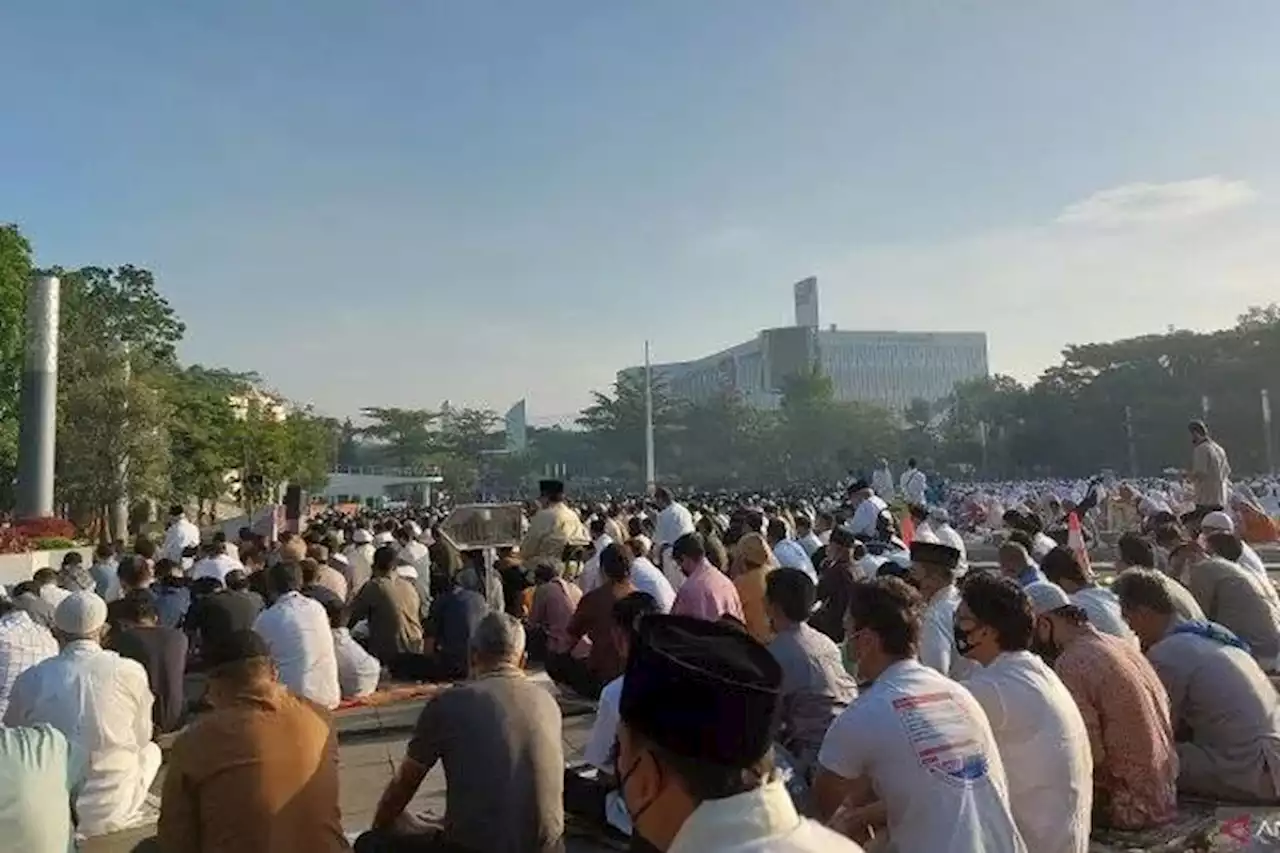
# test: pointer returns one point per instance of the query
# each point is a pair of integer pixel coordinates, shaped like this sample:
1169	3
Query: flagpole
649	476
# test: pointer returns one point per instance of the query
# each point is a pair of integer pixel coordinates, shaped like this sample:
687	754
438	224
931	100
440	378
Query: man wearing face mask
1124	707
1042	738
933	571
699	713
914	753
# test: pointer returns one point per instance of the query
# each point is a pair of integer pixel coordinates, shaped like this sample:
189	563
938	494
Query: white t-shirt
790	555
865	517
938	638
297	631
914	484
604	731
1103	609
215	567
1045	749
925	744
648	578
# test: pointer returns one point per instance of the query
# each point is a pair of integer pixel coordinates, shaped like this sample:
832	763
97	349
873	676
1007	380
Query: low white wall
16	568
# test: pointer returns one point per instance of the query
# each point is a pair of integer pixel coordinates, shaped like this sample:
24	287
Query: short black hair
1144	588
284	577
137	606
792	591
144	547
133	570
384	559
1021	537
777	529
310	570
999	603
1225	545
615	562
72	558
336	610
237	579
597	526
1136	550
689	546
630	609
1061	564
890	608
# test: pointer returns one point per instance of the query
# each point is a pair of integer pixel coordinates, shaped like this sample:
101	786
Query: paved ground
372	744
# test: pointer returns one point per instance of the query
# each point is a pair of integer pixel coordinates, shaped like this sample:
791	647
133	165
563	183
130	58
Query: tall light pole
37	429
650	478
1266	431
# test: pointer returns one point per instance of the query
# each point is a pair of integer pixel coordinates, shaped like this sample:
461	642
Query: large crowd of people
815	670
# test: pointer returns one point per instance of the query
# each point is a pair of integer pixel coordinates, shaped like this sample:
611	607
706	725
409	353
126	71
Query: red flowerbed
19	538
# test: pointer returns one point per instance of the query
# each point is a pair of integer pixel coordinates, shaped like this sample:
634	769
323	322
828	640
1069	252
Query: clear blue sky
398	203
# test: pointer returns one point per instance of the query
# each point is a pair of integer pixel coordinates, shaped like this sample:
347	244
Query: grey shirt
499	737
815	689
1226	717
1235	598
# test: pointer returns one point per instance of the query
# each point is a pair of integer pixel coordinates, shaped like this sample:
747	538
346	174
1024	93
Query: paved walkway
372	743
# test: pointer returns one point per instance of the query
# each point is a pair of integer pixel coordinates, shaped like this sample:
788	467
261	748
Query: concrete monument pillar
38	409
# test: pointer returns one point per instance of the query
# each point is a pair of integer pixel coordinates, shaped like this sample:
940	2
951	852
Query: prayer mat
1192	831
393	694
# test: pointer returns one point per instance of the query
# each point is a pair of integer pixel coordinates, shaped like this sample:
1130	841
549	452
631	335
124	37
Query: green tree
616	425
15	272
113	442
406	437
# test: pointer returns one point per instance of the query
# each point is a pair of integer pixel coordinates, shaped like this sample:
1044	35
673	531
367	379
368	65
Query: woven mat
393	694
1191	831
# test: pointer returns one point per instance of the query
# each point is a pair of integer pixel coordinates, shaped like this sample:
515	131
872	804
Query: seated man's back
102	703
259	771
35	789
499	738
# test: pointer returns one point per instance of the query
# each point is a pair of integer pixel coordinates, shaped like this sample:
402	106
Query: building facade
886	368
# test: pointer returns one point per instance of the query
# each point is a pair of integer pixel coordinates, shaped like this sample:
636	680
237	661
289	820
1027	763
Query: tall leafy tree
15	271
406	437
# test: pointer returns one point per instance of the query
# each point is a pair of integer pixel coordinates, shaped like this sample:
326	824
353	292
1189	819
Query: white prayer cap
383	538
80	614
339	558
362	537
1046	596
407	571
1218	521
414	530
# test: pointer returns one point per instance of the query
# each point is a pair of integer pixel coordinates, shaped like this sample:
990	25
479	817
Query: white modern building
887	368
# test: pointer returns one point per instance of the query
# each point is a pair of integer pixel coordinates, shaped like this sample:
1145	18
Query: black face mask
639	843
963	645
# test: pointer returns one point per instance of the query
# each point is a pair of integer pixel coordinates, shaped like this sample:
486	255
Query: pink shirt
553	605
708	594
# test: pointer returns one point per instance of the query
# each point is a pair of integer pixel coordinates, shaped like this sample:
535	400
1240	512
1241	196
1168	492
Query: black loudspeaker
295	502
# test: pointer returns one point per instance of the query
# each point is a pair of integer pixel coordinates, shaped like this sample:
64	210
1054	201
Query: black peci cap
702	690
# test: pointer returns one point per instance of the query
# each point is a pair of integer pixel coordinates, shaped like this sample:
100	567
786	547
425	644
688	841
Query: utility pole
1133	447
120	521
38	410
1266	431
650	477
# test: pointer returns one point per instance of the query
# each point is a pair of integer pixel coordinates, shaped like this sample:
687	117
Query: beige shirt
1210	472
550	531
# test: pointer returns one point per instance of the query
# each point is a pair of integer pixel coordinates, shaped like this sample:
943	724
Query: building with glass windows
887	368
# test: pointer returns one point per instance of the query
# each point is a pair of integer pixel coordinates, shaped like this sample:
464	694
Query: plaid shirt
23	644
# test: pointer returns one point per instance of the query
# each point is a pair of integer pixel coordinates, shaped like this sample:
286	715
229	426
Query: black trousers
573	673
584	797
